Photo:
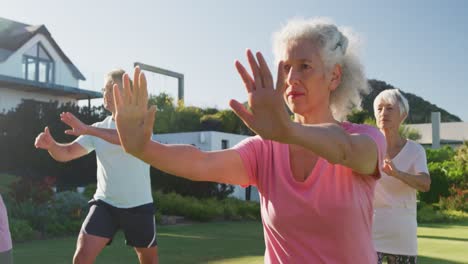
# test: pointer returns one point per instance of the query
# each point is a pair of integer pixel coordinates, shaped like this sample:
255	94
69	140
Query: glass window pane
43	71
31	74
24	67
51	73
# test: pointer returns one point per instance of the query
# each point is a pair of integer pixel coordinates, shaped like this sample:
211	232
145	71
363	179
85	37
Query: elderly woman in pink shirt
5	238
315	172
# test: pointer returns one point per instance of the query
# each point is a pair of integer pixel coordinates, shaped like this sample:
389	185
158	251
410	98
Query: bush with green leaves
70	204
21	230
205	209
457	200
427	214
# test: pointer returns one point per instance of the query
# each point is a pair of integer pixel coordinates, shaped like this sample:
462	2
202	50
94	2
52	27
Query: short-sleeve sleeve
86	141
380	142
248	150
420	163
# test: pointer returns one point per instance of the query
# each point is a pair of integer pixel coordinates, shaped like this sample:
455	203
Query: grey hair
115	77
393	97
335	48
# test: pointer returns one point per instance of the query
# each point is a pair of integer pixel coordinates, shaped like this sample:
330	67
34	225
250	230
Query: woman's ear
335	77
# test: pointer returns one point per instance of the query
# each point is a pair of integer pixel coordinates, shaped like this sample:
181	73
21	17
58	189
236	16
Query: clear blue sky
418	46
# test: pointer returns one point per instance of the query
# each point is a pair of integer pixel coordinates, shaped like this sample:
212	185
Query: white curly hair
335	47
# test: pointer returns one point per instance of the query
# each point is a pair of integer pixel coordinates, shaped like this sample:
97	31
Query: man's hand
78	127
45	140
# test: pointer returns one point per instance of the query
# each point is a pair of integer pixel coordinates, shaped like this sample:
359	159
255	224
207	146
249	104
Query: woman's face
388	115
306	77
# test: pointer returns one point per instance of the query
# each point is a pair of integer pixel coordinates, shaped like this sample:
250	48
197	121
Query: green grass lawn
230	242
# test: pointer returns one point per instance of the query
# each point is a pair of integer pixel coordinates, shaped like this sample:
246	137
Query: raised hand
133	119
268	117
78	127
45	140
389	168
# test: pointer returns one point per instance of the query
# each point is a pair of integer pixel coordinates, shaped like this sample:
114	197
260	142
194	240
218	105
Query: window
38	65
224	144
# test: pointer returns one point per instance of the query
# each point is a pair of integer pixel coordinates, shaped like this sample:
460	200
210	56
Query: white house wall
10	98
13	66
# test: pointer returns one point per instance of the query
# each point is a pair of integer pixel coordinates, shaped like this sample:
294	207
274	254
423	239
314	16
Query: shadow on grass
430	260
444	238
460	224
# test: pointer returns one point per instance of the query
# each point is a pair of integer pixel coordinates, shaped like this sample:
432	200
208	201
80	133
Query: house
209	141
451	133
33	66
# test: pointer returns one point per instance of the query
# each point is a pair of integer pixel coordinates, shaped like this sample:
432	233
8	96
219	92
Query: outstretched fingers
240	110
118	101
255	70
127	89
266	76
142	91
136	85
246	78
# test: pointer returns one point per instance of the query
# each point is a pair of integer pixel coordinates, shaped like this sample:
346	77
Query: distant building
209	141
452	133
33	66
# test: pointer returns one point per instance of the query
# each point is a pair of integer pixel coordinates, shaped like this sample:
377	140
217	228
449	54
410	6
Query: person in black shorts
123	198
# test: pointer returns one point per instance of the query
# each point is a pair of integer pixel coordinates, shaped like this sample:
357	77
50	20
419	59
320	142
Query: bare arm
135	127
189	162
78	128
420	181
60	152
333	143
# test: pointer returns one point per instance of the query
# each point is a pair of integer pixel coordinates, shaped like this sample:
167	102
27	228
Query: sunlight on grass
246	259
183	236
443	243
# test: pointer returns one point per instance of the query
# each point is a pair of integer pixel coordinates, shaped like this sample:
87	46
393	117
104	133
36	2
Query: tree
18	130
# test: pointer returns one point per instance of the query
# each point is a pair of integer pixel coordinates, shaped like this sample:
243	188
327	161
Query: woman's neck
317	117
393	138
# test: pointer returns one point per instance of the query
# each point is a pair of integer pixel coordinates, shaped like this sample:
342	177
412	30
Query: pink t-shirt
5	238
325	219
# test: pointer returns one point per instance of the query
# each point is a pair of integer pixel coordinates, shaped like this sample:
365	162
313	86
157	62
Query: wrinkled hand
133	119
78	127
268	117
389	168
44	140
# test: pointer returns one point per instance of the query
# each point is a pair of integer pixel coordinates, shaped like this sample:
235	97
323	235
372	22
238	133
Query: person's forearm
59	152
181	160
109	135
421	182
328	141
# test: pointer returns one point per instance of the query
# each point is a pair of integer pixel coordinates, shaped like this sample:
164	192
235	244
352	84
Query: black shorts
137	223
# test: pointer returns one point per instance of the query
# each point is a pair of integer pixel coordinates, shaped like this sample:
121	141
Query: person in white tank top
404	172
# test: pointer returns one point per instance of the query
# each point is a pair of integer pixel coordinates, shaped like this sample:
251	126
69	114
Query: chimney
435	118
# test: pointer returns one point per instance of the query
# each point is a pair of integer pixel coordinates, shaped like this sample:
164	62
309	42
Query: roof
47	88
13	35
450	132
